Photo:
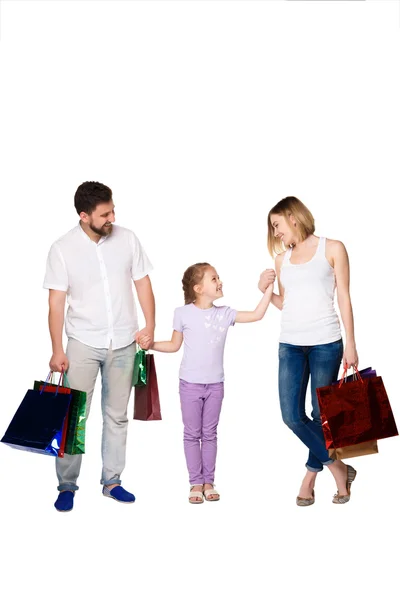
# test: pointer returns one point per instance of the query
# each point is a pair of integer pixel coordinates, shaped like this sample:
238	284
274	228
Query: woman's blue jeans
296	364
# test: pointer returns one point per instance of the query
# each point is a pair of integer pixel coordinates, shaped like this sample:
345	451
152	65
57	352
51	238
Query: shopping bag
139	376
147	401
362	449
75	426
50	386
37	425
355	412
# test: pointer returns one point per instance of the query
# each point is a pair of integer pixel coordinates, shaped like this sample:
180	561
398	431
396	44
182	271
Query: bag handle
47	382
66	379
356	373
139	348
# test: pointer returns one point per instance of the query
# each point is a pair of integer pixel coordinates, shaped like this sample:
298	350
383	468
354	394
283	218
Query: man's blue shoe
118	493
65	501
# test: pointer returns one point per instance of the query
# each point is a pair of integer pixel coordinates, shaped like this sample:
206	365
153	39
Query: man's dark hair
89	195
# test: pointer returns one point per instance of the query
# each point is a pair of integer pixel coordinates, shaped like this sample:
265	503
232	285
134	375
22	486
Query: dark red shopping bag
355	412
147	401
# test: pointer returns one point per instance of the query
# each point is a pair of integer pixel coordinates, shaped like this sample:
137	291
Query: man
93	266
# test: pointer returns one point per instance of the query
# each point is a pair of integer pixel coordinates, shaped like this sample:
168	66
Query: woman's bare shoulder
336	252
335	246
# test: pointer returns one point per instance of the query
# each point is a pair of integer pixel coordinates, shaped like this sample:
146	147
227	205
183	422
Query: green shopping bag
139	377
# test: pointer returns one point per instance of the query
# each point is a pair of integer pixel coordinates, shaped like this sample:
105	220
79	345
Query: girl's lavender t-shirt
204	335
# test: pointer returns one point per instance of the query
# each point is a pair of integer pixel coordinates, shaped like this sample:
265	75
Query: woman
308	272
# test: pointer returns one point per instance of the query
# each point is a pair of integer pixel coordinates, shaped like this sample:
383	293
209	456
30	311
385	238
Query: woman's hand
350	356
266	278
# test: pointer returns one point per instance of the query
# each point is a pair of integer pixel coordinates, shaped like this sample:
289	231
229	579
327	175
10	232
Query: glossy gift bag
38	424
139	376
75	425
147	401
364	448
355	413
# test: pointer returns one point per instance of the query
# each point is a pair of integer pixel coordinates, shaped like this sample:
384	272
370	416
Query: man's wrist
58	350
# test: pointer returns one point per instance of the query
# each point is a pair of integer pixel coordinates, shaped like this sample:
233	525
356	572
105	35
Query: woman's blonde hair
191	277
305	224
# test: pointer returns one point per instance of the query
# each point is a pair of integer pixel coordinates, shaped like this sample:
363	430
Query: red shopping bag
355	412
57	389
73	438
147	401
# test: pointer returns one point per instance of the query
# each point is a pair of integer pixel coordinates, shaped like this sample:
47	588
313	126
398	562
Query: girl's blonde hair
305	224
191	277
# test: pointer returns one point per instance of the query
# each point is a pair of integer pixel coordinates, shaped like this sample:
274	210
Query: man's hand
266	278
145	338
59	362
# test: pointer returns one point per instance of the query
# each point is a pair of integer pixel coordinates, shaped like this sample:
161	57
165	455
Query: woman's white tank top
308	313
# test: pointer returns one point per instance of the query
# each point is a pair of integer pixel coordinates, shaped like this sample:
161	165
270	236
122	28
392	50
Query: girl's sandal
195	497
212	492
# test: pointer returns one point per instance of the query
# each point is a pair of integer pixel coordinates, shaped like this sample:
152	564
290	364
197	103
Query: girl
203	328
310	342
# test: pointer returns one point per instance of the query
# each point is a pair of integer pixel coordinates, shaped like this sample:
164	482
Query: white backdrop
201	116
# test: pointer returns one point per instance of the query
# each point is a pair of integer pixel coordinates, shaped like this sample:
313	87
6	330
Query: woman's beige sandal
351	475
195	497
305	501
211	492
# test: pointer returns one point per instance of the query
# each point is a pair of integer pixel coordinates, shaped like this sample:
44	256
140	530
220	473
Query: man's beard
103	232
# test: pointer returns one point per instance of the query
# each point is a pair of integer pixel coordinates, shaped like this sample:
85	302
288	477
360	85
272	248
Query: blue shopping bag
37	425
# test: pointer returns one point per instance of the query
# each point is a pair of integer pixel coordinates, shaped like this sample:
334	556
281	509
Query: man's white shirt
98	280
